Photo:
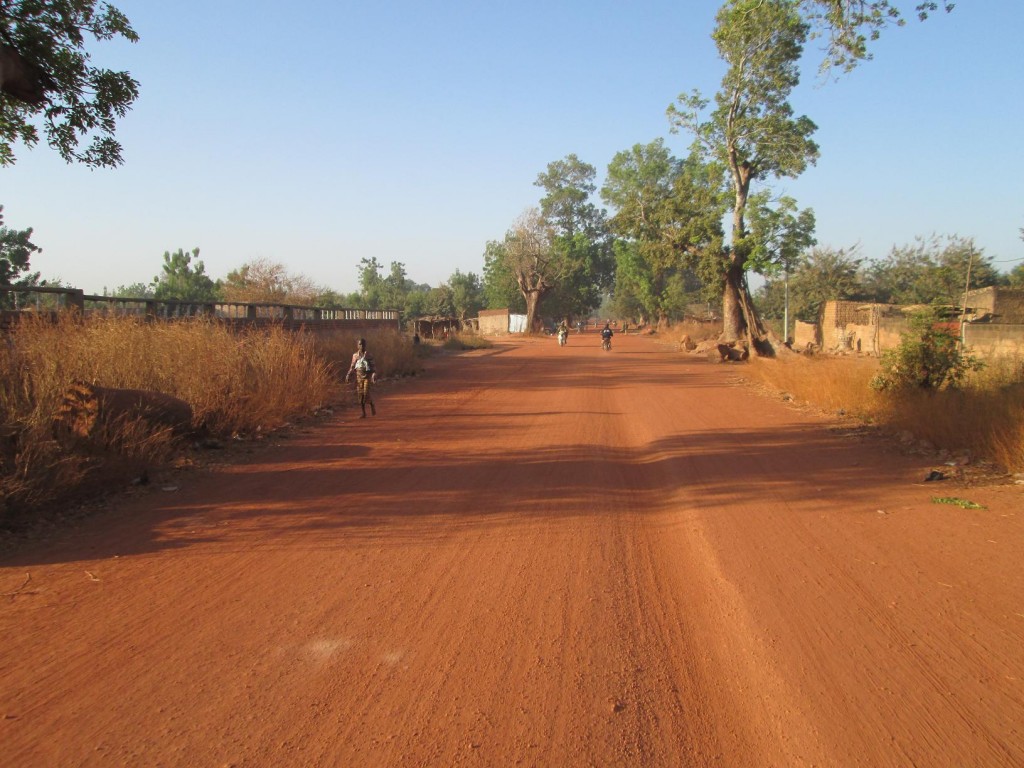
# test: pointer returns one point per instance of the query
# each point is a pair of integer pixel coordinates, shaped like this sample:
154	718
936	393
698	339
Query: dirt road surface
533	556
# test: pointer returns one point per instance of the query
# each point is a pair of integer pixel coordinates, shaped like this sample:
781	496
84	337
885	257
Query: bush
928	358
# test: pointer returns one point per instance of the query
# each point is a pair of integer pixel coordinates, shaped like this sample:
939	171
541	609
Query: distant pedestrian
366	374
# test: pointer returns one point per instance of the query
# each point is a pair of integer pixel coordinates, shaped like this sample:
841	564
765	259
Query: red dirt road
534	556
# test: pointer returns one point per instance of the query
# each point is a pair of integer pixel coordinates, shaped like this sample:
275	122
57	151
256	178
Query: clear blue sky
318	133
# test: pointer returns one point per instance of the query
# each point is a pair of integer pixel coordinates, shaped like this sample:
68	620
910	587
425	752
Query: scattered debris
934	475
89	574
957	502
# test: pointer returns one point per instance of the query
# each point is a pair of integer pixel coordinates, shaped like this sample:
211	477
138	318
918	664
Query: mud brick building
994	321
853	326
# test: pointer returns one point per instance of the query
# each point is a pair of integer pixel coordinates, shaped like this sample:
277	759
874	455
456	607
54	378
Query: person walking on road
366	374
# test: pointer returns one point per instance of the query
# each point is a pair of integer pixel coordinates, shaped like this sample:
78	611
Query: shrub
928	357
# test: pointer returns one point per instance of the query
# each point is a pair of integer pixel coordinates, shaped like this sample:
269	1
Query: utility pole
963	308
785	311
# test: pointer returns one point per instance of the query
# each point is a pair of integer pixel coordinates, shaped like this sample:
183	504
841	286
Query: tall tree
45	72
533	262
638	187
259	280
580	243
467	294
181	280
668	215
752	132
501	290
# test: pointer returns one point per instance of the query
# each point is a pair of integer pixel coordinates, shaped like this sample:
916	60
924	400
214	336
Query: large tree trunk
532	305
740	321
739	316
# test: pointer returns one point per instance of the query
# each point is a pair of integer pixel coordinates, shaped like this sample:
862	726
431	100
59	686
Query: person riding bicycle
606	336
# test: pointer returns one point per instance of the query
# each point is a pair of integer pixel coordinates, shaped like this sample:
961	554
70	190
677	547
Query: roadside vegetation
237	384
983	417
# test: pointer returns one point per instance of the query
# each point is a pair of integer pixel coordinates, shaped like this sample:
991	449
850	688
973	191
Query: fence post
76	300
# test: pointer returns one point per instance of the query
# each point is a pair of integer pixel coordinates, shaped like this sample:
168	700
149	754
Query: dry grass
465	341
696	331
236	383
986	417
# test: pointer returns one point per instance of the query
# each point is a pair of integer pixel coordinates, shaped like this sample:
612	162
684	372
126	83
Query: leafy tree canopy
582	265
16	249
132	291
467	294
182	280
46	75
932	270
500	287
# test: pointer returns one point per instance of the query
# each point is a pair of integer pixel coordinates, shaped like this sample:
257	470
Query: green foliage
16	249
822	274
580	264
48	74
849	24
931	271
386	292
133	291
182	280
928	357
1016	277
668	215
753	135
467	294
500	287
956	501
777	235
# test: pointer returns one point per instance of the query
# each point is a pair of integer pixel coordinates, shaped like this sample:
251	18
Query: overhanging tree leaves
752	132
45	72
848	25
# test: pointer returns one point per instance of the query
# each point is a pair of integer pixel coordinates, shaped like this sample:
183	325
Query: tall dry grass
985	417
235	382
